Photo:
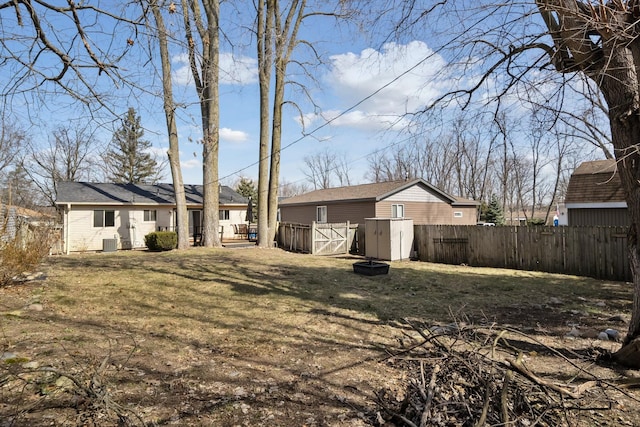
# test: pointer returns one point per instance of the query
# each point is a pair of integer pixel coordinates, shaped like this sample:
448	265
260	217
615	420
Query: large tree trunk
182	216
204	69
612	65
286	39
265	58
210	118
625	128
621	88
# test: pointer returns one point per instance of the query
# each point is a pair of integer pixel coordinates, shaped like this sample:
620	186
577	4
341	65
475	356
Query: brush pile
466	376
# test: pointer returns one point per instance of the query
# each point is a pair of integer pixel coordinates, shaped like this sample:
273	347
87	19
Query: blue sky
348	78
357	89
360	94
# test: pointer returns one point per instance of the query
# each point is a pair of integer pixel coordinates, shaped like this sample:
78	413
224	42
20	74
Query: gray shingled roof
373	192
595	182
144	194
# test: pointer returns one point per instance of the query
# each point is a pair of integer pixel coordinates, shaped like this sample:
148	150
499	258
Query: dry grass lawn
254	337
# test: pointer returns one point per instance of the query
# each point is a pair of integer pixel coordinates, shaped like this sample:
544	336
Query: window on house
150	215
223	214
321	214
103	218
397	211
457	214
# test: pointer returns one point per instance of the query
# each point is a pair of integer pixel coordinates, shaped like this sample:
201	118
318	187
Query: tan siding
298	214
414	194
352	212
336	212
429	213
469	216
421	212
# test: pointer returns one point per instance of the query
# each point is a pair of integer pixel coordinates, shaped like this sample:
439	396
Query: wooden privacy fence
599	252
318	238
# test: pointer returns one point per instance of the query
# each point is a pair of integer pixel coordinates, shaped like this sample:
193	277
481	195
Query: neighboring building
92	212
595	195
20	224
518	217
416	199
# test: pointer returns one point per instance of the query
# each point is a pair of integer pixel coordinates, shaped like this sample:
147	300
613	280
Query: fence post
313	238
347	243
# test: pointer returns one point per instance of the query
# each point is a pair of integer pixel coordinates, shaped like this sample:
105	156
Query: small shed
389	239
595	195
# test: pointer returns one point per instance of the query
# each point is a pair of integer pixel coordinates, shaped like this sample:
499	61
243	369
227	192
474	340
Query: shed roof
595	182
369	192
136	194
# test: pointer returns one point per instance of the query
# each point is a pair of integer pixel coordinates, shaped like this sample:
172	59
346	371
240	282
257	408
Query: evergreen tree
247	188
128	159
494	213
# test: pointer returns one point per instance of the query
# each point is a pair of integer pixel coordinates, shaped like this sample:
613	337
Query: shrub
535	221
23	253
161	240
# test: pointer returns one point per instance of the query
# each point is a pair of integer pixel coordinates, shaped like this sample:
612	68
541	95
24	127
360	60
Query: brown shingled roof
375	191
595	182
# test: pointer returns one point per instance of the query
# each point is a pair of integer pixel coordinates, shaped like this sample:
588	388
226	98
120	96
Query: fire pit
370	268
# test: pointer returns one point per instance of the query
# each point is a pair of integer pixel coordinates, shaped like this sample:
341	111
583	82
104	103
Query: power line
341	114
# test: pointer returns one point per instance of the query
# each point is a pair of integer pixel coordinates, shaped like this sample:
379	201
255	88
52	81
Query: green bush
535	221
161	240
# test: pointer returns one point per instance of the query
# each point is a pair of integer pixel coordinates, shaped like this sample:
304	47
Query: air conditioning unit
109	245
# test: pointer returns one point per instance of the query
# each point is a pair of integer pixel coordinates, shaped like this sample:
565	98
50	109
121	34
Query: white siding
82	235
414	194
129	227
236	216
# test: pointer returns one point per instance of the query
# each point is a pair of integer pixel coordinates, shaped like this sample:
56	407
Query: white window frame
321	214
395	208
103	215
457	214
224	215
150	215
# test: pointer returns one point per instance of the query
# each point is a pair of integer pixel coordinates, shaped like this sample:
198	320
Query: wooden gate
329	239
318	239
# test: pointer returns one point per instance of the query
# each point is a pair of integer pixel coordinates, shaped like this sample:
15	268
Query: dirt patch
265	337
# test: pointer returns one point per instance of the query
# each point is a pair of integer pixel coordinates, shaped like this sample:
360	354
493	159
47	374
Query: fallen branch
467	377
517	366
430	390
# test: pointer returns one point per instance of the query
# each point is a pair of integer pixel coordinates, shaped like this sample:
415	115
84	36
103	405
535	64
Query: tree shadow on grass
307	323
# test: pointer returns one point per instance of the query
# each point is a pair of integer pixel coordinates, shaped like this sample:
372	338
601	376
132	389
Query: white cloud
358	119
238	70
191	163
181	71
355	77
234	70
231	135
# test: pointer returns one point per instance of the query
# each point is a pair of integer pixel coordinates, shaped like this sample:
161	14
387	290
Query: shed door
384	239
371	238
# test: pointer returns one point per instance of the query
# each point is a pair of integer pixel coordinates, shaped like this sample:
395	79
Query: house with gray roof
95	212
595	195
416	199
